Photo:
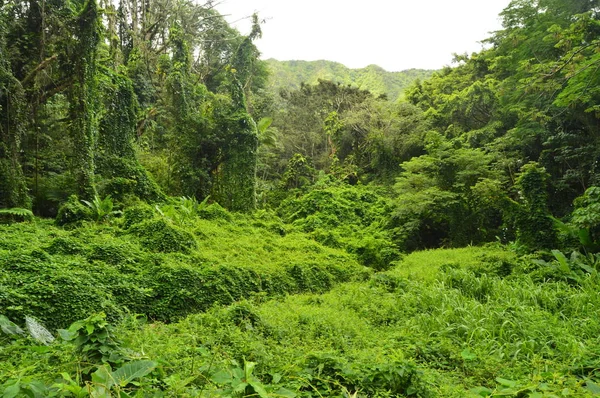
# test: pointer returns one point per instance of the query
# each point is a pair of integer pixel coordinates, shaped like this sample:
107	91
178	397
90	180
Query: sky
394	34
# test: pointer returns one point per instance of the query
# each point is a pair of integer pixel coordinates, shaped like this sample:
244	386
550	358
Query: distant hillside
289	74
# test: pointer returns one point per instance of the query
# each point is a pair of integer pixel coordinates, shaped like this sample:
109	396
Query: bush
137	214
15	215
73	212
125	176
159	236
349	217
65	245
214	211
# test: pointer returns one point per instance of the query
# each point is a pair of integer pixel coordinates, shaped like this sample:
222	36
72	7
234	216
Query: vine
83	97
13	188
115	157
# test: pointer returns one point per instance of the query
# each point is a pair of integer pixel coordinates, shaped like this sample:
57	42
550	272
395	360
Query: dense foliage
109	76
212	236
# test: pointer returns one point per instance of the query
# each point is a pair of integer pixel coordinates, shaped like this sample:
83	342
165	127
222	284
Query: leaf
259	389
481	391
263	124
133	370
67	335
221	377
38	389
468	355
592	387
103	377
240	387
12	391
506	382
248	369
9	327
562	261
284	392
276	378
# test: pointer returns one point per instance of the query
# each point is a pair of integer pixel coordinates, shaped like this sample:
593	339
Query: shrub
73	212
214	211
137	214
65	245
159	236
15	215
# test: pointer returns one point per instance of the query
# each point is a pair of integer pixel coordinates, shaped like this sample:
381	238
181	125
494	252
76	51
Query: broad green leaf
468	355
133	370
221	377
103	377
592	387
12	391
260	390
506	382
240	387
562	261
284	392
481	391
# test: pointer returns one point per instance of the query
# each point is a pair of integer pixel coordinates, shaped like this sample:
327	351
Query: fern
17	213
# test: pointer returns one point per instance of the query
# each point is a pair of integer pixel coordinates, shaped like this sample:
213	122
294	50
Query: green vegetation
290	75
172	226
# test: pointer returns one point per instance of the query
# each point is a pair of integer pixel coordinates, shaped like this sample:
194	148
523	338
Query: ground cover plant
472	322
158	267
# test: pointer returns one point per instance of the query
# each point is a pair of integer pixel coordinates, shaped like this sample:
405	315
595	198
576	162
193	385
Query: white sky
394	34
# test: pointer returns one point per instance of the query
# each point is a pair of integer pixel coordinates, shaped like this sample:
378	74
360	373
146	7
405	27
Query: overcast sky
394	34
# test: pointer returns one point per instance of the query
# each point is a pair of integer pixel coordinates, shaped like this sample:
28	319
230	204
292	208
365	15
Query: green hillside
290	74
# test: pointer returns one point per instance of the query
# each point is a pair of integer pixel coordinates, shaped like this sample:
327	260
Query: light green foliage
353	218
101	209
151	266
159	236
450	323
477	322
137	214
290	74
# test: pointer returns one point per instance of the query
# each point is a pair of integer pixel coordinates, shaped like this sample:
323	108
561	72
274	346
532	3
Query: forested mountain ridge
290	74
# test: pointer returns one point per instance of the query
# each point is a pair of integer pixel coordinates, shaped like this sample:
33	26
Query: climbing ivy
13	189
535	228
115	157
235	186
83	94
